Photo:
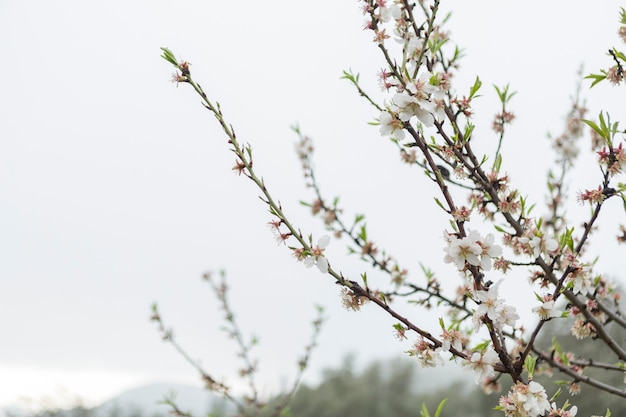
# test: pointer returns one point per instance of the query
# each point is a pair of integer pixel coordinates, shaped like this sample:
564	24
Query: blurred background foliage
397	388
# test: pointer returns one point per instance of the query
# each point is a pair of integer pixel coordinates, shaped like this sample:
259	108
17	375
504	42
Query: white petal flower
317	255
482	364
322	264
418	100
498	312
473	248
431	358
582	283
388	12
506	315
488	301
547	310
551	245
391	126
461	250
539	245
406	105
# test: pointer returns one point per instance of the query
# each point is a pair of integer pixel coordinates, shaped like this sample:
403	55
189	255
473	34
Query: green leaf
482	346
169	56
363	233
596	78
439	203
498	163
435	45
594	126
500	229
469	129
475	87
440	408
529	364
504	94
348	75
556	395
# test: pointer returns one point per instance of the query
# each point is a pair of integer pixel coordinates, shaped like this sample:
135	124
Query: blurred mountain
143	401
148	400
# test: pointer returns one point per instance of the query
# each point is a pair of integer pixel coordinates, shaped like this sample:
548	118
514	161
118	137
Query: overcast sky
116	187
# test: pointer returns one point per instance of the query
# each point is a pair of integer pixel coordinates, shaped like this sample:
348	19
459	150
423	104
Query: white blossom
494	308
417	100
482	364
582	282
539	245
390	126
472	249
317	255
462	250
525	400
430	358
388	12
547	310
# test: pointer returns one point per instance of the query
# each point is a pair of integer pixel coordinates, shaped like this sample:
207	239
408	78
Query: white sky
116	189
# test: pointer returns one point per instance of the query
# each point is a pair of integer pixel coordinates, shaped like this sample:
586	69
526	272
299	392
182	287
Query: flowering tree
493	230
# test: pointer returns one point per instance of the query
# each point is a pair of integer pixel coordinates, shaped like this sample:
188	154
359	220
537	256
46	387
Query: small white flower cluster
525	401
471	249
537	245
423	93
420	98
427	356
493	307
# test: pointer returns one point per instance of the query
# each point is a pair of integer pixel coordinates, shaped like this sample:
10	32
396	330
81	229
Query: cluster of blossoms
427	356
422	98
579	276
453	339
508	199
315	256
471	249
351	301
525	401
592	196
562	412
614	159
494	308
616	74
533	243
419	92
502	119
419	96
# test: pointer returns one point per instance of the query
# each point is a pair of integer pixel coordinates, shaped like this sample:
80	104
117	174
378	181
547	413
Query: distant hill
147	400
143	401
